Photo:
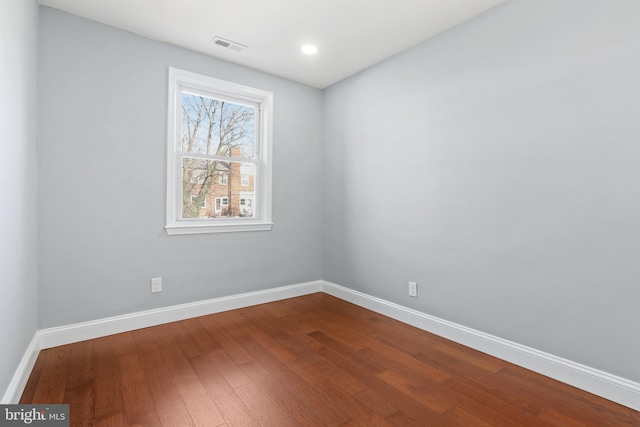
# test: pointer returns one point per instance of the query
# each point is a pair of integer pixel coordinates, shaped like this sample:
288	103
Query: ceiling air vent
228	44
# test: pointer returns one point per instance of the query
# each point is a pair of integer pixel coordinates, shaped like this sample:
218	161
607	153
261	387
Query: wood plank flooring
308	361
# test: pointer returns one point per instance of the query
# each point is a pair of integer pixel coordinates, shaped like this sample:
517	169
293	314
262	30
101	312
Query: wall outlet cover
413	289
156	285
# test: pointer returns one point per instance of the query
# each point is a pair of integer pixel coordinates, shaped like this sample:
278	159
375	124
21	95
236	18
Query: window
198	176
194	199
219	140
246	205
221	203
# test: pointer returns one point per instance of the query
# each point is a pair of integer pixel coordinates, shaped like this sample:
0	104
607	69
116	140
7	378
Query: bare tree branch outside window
216	127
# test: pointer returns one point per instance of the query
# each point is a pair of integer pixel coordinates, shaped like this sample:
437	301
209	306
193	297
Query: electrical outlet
156	285
413	289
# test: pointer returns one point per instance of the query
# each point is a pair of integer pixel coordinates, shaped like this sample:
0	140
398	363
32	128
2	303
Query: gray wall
495	164
102	157
18	274
498	166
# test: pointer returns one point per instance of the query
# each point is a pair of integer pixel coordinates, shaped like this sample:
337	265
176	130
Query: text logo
34	415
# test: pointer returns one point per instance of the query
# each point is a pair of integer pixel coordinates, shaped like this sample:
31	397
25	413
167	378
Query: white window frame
180	80
223	179
244	180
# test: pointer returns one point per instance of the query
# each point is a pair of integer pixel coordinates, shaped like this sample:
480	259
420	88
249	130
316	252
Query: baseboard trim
53	337
603	384
20	377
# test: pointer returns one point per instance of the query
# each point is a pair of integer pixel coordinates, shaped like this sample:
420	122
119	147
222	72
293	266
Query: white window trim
262	204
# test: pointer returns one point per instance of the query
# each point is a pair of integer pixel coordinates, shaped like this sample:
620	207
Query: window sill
230	227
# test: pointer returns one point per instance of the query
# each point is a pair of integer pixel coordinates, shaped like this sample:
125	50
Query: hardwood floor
308	361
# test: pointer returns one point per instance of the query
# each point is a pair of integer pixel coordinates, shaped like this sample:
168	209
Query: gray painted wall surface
498	166
18	274
495	164
102	156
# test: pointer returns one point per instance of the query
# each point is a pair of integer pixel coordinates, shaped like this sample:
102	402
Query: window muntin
220	150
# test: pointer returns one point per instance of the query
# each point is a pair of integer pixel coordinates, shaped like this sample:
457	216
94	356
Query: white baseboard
53	337
13	393
611	387
603	384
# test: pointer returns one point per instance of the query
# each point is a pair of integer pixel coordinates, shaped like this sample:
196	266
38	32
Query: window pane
198	176
212	126
217	189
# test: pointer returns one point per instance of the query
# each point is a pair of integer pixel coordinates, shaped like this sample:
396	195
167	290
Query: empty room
320	213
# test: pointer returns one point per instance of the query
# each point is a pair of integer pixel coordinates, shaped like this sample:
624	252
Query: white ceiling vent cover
228	44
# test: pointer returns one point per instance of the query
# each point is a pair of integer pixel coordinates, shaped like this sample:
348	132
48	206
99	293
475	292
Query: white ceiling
351	34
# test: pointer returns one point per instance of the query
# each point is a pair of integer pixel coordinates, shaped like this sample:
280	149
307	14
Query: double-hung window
218	155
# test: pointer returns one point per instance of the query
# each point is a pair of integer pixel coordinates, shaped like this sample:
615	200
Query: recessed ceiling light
309	49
